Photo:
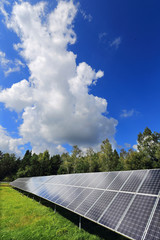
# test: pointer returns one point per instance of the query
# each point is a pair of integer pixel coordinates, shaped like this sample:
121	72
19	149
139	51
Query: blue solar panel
119	180
106	181
114	212
151	184
134	223
126	202
88	202
134	181
154	227
100	205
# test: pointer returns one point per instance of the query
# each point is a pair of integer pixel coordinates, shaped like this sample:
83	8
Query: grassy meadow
22	218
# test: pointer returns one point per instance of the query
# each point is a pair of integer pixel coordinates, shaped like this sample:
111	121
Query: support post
55	208
79	222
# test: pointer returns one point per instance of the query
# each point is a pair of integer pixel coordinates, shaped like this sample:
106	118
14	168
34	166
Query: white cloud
8	65
86	16
9	144
127	113
102	37
56	104
2	10
135	147
116	42
18	96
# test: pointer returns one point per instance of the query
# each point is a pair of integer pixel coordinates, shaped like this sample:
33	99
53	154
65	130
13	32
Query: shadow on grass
86	224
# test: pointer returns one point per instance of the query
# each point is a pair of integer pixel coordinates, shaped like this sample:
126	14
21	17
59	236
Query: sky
78	72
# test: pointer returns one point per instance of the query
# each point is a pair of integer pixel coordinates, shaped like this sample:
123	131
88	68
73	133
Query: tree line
147	156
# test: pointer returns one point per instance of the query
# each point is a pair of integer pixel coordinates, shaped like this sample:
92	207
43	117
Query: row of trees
147	156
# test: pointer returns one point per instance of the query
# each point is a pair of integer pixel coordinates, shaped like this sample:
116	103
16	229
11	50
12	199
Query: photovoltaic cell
54	193
76	191
88	202
28	184
154	228
119	180
113	214
84	178
134	181
90	178
63	194
98	208
81	197
107	180
151	184
99	177
134	223
73	179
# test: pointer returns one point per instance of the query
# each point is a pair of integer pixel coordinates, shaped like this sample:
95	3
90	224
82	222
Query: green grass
25	219
4	184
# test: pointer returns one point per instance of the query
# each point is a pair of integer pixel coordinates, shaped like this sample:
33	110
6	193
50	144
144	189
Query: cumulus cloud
9	144
8	65
55	103
18	96
116	42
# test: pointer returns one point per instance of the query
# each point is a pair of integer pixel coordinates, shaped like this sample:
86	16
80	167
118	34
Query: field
23	218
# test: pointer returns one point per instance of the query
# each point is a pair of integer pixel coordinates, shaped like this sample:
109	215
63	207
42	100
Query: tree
26	159
92	159
106	156
9	165
136	160
55	163
76	154
44	162
65	166
148	143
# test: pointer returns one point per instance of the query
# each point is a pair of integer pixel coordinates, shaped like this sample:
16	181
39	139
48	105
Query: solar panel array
127	202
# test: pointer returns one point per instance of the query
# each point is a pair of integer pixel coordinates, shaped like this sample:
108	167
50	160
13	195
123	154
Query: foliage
107	159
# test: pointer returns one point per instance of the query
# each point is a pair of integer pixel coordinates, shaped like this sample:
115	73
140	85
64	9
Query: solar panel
119	181
127	202
154	227
134	181
151	184
78	200
72	195
114	212
85	205
100	205
134	223
105	182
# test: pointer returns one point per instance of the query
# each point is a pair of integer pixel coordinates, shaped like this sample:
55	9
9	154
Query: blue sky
77	74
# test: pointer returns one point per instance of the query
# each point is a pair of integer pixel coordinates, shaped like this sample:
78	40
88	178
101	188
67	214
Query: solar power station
127	202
